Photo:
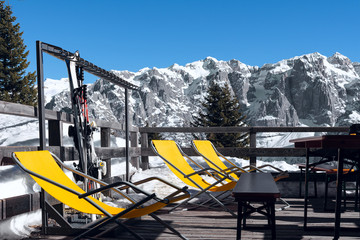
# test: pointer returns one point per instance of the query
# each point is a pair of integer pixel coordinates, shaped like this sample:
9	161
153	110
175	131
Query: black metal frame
91	68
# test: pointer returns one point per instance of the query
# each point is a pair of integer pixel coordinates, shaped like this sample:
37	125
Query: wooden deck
219	225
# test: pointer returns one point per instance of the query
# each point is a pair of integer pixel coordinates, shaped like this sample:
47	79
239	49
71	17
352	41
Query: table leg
239	218
300	181
338	194
273	223
306	194
327	179
357	190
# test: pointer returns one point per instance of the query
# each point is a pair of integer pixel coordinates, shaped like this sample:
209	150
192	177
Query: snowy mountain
311	90
308	90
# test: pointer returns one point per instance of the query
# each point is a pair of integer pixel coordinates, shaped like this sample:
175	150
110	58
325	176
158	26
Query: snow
20	226
281	67
354	117
53	87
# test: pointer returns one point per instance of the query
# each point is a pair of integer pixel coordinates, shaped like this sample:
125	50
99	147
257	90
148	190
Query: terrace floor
205	224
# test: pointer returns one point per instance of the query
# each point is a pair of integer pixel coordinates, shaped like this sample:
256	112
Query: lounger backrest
42	163
205	148
171	153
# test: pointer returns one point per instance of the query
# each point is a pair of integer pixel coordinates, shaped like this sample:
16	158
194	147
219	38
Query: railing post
144	144
105	142
55	133
134	143
252	145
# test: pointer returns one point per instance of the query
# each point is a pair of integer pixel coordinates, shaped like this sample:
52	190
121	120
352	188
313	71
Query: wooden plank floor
219	225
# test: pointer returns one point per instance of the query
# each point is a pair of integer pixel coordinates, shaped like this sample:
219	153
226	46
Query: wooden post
144	144
253	145
133	139
55	133
105	142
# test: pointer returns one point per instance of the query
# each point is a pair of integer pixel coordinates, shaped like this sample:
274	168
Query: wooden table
340	146
256	187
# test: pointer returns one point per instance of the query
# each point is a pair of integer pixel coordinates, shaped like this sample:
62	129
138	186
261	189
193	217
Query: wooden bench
256	187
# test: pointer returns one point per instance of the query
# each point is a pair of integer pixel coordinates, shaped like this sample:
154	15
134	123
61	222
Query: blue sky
131	35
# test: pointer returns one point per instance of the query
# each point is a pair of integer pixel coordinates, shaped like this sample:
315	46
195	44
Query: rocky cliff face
312	90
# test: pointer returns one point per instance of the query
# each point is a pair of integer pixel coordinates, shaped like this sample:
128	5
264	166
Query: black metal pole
41	98
127	133
41	116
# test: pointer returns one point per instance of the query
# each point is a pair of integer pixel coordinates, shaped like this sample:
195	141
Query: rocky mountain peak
311	90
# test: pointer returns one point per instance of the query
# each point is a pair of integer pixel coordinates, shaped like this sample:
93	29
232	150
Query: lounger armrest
151	179
271	166
206	170
233	169
252	168
113	185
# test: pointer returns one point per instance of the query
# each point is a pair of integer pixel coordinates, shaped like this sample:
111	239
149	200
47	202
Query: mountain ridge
307	90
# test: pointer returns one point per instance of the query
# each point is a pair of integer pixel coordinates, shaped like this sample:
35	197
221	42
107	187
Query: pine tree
15	85
221	109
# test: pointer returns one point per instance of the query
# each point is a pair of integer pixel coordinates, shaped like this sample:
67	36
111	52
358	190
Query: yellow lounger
174	158
214	159
44	169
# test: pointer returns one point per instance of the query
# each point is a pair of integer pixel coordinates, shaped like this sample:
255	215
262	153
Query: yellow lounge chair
174	158
44	169
214	159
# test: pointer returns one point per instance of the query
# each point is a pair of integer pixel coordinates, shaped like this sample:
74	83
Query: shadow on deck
204	224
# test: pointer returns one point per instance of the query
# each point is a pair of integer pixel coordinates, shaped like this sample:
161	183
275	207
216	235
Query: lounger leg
211	196
217	196
222	205
220	199
115	219
287	205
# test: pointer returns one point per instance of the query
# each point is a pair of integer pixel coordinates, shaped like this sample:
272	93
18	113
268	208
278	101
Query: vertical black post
306	194
134	143
339	182
41	98
41	115
253	145
105	142
127	133
144	144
